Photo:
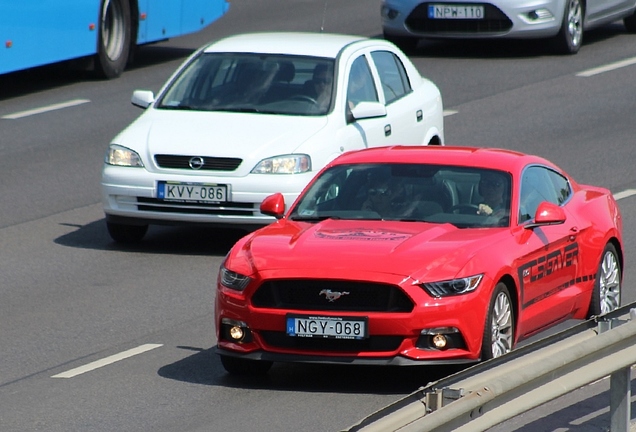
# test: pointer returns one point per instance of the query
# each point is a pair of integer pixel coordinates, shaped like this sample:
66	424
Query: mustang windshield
259	83
463	196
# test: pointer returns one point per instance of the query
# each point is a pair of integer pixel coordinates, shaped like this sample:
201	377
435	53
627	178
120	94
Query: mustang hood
249	136
403	248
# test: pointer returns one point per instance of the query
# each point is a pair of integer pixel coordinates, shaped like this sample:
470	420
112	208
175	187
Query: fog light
540	15
236	333
439	341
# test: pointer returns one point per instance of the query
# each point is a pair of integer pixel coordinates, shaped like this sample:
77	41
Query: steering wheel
464	209
304	98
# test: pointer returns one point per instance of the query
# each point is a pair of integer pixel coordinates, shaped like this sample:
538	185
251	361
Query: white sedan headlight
284	164
122	156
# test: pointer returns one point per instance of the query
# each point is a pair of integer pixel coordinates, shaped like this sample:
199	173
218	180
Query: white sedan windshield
273	84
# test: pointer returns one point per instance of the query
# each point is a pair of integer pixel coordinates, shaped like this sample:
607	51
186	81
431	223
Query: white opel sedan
255	114
561	21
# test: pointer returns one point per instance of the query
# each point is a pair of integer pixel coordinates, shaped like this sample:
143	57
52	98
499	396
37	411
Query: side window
361	87
537	186
561	186
395	83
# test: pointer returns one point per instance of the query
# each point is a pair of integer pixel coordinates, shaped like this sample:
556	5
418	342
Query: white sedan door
411	114
361	87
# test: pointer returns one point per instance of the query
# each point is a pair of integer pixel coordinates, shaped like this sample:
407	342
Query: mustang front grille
495	21
203	163
331	295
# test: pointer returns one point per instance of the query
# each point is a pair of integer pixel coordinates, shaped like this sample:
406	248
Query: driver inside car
492	188
319	86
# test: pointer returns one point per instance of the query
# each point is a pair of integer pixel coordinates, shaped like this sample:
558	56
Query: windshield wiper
179	107
313	218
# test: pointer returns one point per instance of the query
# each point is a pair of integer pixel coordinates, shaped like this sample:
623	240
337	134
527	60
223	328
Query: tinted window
361	87
463	196
539	184
269	84
392	75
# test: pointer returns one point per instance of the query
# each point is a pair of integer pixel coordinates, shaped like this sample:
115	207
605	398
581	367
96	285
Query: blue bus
39	32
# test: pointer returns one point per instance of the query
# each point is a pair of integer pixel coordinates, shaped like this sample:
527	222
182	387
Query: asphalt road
71	297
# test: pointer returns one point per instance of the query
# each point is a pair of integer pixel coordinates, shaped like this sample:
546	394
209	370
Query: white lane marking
106	361
607	68
624	194
44	109
449	112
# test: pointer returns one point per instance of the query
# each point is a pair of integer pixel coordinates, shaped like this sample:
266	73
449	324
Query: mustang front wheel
499	329
607	287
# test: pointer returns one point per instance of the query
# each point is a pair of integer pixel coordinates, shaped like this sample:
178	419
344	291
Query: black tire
405	43
630	23
126	234
114	38
606	295
500	325
240	366
570	36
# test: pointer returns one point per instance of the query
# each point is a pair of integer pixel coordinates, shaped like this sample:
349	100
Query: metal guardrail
497	390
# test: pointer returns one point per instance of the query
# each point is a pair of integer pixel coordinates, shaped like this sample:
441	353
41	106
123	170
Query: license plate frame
201	193
327	327
456	11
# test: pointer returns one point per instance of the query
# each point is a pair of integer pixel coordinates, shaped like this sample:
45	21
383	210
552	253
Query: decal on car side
537	269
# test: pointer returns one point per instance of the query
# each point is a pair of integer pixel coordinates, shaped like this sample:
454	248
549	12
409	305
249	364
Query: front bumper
522	19
394	338
129	195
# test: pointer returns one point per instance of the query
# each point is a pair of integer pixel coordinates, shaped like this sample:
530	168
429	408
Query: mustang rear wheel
499	328
606	295
240	366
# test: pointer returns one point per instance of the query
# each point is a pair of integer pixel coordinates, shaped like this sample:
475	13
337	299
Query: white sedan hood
249	136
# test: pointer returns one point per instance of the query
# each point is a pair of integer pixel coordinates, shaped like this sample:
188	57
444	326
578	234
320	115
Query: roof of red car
486	157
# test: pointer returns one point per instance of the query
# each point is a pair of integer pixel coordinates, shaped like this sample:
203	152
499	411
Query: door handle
387	130
573	232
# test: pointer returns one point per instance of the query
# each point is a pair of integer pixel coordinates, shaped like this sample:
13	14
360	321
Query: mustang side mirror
547	214
274	205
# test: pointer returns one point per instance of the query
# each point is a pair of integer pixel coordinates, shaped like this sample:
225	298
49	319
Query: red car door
548	264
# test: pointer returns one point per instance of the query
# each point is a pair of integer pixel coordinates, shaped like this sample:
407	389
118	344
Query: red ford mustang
418	255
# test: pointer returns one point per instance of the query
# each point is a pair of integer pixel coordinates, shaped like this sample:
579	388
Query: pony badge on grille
332	295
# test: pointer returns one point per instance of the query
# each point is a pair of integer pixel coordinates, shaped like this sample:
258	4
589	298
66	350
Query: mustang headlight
453	287
233	280
285	164
122	156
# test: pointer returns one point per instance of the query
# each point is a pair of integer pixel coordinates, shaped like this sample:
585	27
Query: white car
255	114
404	22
